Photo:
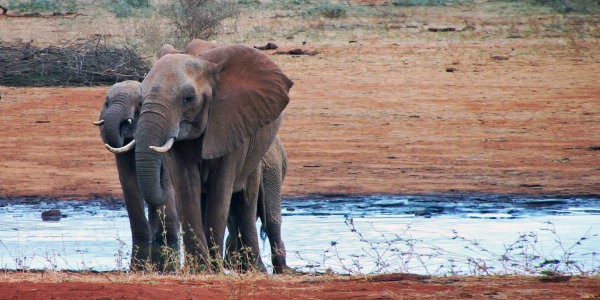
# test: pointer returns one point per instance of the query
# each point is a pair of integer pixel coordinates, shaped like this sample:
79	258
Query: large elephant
210	119
117	124
272	171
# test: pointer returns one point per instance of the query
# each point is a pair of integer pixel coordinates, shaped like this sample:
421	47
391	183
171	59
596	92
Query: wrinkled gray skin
272	173
222	110
119	115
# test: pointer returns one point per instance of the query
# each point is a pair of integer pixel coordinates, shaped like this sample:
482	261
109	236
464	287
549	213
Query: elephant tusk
122	149
129	121
98	123
166	147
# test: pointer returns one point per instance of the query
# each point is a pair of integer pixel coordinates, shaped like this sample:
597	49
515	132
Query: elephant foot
140	255
243	261
196	265
285	270
164	259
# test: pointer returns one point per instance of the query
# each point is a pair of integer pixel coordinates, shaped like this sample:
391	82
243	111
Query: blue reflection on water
427	234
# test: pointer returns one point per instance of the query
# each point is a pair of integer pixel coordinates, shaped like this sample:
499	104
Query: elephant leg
278	255
232	243
219	190
245	255
186	180
140	228
274	167
273	228
165	229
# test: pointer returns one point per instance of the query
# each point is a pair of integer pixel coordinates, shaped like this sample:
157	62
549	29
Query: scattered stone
398	277
299	52
441	29
312	165
52	215
268	46
594	148
555	278
531	185
500	57
450	69
392	157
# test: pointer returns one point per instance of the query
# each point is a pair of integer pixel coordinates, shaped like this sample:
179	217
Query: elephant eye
188	99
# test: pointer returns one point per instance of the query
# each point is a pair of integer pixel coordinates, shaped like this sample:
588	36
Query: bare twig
86	64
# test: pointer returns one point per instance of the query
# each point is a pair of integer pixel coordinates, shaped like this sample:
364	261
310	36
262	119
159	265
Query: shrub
565	6
128	8
424	2
199	19
42	5
568	6
327	10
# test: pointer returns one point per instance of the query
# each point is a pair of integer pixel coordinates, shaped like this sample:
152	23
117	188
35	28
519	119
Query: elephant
206	122
117	123
271	171
118	120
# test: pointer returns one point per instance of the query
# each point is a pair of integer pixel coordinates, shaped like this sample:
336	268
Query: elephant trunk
152	173
151	176
115	119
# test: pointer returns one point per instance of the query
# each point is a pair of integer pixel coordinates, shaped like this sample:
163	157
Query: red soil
513	116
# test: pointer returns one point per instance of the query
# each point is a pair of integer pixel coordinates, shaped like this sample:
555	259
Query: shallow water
426	234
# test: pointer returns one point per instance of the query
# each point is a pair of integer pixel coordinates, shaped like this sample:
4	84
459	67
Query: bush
90	63
327	10
424	2
568	6
42	5
565	6
128	8
199	19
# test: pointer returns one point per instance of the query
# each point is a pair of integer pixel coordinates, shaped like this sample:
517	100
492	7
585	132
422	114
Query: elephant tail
262	211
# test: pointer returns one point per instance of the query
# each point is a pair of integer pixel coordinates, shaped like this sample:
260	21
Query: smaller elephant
118	120
271	172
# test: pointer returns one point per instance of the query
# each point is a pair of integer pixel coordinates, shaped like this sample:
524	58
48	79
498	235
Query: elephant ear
251	92
167	49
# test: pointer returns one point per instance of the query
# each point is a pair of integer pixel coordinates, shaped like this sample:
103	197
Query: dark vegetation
85	64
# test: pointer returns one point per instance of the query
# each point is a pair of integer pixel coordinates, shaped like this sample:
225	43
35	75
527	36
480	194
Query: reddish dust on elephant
465	111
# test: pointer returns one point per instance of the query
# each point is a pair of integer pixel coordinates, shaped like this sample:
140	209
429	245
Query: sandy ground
432	114
390	286
365	119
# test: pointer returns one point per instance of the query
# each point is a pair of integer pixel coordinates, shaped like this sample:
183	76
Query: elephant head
119	114
194	47
218	98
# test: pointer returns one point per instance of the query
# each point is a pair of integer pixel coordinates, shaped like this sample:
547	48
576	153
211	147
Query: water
425	234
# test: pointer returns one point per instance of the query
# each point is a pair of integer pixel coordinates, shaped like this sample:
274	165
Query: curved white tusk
122	149
129	121
98	123
165	147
